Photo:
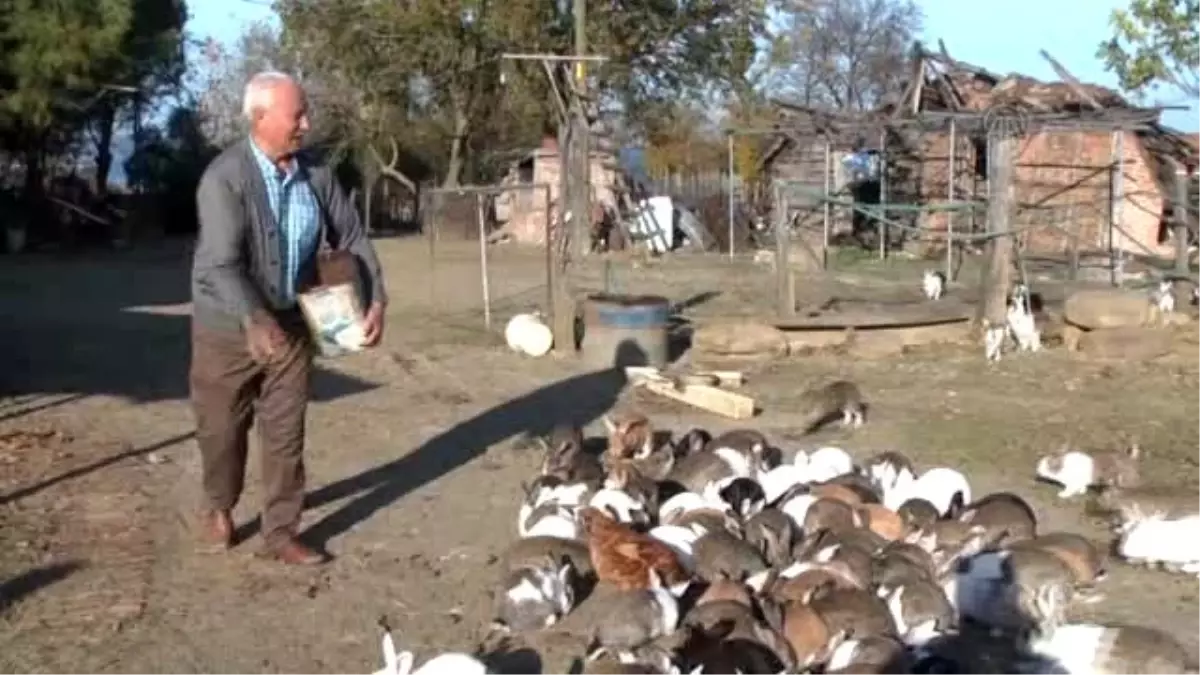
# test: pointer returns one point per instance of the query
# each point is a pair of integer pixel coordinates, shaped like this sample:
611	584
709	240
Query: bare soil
413	467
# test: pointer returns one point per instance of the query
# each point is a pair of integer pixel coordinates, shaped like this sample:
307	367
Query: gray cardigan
237	267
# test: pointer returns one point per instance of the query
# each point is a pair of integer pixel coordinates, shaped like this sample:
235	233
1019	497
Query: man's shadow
579	399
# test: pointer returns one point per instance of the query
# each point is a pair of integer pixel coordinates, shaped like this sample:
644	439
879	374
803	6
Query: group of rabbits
730	554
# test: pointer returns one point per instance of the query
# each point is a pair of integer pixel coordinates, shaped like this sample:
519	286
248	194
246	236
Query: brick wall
1063	190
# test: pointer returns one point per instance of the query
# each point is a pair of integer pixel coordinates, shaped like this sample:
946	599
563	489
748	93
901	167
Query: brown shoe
216	529
292	552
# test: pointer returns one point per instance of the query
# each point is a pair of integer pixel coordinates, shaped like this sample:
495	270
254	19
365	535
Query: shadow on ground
109	323
33	580
579	399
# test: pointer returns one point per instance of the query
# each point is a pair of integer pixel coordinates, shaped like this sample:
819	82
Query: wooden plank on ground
713	399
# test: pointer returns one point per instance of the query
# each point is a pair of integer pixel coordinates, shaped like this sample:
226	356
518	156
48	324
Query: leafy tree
845	54
1155	43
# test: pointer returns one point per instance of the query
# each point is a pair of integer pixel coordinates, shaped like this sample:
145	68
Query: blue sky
1000	35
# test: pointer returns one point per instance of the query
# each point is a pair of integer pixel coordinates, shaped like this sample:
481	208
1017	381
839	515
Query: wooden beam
713	399
996	277
1072	83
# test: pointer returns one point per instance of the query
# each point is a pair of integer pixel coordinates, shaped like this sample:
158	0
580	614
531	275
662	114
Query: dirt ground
414	476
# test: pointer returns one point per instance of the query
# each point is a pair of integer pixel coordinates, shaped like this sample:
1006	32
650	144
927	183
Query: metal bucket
625	330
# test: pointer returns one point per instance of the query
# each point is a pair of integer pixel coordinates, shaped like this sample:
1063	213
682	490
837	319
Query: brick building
1067	186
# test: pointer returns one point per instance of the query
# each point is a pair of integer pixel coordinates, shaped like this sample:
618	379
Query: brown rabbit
567	460
720	555
1086	560
857	612
1003	515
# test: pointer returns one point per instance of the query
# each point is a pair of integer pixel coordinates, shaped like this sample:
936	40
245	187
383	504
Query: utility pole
581	185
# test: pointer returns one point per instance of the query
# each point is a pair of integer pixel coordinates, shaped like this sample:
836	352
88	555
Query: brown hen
624	558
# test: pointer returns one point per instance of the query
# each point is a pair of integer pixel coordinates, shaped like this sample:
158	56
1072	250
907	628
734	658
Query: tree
844	54
438	62
1155	43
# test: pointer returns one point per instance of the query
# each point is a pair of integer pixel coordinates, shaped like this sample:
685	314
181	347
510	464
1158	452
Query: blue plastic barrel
625	330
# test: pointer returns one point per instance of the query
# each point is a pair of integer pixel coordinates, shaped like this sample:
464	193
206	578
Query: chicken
623	557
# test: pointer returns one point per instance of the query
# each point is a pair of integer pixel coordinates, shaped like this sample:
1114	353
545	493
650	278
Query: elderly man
264	213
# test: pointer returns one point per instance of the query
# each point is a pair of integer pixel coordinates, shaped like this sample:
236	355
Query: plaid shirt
297	214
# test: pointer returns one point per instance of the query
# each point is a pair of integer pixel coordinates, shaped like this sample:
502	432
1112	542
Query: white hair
258	91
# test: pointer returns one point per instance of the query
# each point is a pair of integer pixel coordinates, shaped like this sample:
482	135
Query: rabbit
945	488
853	553
551	520
531	551
776	482
744	496
884	470
629	619
735	641
546	490
1076	470
566	458
726	590
828	514
883	521
864	491
630	436
837	491
798	582
869	654
695	472
1020	321
1097	648
1084	558
840	399
1127	505
621	506
682	540
810	640
720	555
1174	543
536	596
401	663
691	442
858	612
1025	590
1164	297
626	477
773	534
746	442
796	505
829	462
1005	516
898	562
919	607
918	513
933	284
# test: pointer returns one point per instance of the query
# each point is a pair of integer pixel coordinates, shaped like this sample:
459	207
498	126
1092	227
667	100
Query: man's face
283	123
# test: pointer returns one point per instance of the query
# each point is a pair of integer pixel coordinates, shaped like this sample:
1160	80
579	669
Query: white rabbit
776	482
1096	648
682	540
1175	543
829	462
401	663
561	525
993	342
945	488
1021	324
933	284
623	507
685	502
1164	298
797	507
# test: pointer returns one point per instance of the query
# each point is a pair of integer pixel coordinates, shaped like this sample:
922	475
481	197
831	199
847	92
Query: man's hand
373	325
264	338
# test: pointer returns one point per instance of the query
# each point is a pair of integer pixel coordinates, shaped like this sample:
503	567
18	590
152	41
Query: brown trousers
229	392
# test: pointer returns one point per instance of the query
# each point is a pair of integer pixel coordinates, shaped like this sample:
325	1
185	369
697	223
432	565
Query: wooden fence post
995	282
